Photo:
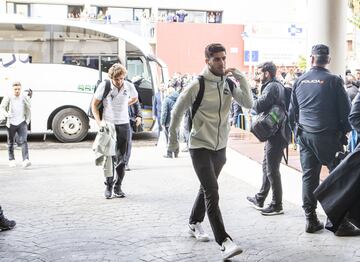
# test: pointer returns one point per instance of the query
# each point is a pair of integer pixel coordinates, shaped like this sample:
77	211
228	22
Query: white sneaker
12	163
229	249
26	163
196	230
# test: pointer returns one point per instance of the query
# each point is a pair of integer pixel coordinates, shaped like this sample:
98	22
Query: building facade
267	26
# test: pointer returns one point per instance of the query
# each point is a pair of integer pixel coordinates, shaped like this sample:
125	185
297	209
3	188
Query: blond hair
117	70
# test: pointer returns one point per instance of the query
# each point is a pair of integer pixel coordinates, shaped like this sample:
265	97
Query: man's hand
229	70
30	93
138	121
102	126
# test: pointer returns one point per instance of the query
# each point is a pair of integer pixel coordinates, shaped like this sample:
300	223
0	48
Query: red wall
181	45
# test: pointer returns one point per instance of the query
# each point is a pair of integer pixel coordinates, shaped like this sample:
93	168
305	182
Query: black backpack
200	96
286	129
100	106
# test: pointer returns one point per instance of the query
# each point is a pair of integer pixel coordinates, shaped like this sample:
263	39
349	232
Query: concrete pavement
62	215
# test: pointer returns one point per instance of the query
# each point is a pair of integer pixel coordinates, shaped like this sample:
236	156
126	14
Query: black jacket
273	93
339	193
354	116
319	103
269	97
352	91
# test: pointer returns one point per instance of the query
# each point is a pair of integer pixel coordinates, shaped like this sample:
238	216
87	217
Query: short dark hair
16	83
211	49
268	67
320	49
321	59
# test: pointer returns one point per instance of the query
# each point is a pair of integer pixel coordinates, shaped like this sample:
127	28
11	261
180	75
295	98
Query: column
327	25
2	7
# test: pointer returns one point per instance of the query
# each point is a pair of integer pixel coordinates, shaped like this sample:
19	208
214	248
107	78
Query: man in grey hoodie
208	140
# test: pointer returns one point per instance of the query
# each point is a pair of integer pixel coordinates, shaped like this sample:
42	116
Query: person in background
181	14
167	106
116	112
271	91
156	108
351	89
16	108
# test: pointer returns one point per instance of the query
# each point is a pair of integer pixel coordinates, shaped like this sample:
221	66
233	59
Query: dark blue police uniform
319	113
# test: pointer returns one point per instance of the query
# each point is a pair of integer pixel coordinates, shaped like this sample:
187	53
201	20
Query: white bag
161	144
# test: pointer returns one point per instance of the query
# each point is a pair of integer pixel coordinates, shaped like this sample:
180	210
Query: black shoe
118	192
108	187
176	154
272	210
347	229
312	223
168	155
127	168
255	203
6	224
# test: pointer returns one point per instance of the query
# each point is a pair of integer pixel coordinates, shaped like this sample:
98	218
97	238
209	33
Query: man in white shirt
115	111
16	109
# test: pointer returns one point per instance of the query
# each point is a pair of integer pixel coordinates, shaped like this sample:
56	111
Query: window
19	9
74	11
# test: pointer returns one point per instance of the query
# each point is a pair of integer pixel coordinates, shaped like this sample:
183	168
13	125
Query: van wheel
70	125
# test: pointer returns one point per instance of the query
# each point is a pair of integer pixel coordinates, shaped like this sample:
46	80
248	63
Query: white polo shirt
116	102
17	110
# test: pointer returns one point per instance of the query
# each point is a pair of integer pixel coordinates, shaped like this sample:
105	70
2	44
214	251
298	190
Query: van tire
70	125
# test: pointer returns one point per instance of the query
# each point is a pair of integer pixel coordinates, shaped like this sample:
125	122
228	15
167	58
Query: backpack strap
107	89
199	96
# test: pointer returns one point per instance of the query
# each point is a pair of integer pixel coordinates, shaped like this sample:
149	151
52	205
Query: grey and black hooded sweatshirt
210	125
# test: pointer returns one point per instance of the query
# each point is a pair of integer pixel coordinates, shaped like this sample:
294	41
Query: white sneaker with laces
12	163
196	230
229	249
26	163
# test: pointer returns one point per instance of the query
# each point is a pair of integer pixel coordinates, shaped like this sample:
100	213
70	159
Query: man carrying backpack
272	93
208	139
115	112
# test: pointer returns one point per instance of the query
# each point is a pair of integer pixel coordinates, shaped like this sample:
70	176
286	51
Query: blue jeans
21	131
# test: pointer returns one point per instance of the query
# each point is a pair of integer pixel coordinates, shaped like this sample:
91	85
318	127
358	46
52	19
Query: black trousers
315	150
119	160
129	147
273	152
208	164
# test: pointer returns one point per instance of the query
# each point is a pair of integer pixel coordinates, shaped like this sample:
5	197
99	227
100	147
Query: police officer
319	113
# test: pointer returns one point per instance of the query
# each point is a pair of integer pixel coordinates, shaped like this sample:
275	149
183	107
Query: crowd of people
317	110
319	113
